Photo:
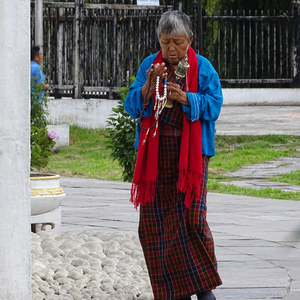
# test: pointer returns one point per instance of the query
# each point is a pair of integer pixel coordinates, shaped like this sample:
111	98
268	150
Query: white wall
64	134
261	96
93	113
14	150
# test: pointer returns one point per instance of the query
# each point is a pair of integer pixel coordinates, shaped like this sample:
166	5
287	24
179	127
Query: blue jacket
38	75
204	105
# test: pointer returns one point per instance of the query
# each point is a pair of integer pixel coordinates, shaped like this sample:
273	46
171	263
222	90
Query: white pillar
39	24
14	150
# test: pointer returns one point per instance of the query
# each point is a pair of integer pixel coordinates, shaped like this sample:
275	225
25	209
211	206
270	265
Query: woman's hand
175	93
150	85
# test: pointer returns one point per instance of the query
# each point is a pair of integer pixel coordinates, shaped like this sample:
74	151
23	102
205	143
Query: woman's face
174	47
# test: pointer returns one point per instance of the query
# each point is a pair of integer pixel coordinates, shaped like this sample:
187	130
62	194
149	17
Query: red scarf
190	160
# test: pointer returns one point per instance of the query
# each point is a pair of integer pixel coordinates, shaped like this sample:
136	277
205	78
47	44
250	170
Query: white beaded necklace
160	102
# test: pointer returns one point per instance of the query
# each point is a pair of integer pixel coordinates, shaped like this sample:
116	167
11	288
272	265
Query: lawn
88	157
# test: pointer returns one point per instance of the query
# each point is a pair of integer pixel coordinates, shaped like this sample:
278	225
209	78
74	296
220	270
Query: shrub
39	110
121	135
41	144
41	141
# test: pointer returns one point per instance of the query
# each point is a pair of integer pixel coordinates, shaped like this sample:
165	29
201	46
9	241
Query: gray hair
175	22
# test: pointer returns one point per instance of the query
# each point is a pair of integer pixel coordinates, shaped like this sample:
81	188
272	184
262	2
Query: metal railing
90	49
252	48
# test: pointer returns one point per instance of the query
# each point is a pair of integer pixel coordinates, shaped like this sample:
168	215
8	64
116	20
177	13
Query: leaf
121	135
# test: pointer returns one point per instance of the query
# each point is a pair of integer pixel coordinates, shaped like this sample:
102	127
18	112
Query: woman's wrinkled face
174	47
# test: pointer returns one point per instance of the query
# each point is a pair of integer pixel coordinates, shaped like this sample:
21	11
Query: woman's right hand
150	85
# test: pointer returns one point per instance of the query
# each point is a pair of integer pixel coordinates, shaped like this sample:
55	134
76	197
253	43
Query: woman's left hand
175	93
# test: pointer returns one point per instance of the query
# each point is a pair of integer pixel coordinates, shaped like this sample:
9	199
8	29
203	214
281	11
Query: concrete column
39	23
14	150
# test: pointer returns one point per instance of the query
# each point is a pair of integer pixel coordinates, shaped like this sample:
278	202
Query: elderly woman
177	96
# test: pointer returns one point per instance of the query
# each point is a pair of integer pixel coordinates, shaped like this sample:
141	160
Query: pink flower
53	135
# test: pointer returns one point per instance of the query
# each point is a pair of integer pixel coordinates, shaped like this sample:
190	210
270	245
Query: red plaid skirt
177	243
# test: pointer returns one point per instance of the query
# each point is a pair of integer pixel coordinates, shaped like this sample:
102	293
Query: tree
234	5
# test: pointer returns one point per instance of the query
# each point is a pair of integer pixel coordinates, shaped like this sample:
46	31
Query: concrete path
256	176
257	240
240	119
259	120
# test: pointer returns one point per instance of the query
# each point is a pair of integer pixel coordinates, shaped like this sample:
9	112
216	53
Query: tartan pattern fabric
170	130
177	242
171	116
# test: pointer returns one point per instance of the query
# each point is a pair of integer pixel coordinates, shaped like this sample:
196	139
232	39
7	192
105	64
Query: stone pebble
90	265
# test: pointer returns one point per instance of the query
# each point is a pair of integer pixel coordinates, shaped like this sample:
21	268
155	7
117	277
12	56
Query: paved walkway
257	240
255	176
259	120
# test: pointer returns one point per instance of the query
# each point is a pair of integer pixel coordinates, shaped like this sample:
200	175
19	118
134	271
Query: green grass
292	178
233	152
216	187
88	157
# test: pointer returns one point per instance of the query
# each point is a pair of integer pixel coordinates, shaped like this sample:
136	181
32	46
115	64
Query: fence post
78	74
119	74
296	44
200	28
177	4
38	39
60	43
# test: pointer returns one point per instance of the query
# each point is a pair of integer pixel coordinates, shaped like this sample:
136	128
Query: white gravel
89	265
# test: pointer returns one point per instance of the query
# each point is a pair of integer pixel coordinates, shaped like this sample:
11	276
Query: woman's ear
191	40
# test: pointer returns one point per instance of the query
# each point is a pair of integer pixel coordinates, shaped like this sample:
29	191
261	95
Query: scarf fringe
142	193
189	182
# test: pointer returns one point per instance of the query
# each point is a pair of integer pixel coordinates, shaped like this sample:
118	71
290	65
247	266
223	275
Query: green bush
41	142
121	135
39	111
41	147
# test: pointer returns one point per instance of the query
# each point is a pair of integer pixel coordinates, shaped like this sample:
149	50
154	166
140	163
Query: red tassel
189	182
145	138
142	193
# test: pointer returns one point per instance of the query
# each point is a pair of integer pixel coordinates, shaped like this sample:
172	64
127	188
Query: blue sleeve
36	71
133	102
40	76
206	103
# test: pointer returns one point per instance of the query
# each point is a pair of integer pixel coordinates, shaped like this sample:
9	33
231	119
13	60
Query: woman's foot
206	296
